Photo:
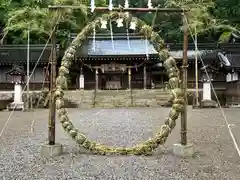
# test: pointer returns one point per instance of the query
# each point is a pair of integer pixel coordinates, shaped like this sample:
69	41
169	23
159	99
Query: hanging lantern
149	4
133	25
103	24
92	5
120	22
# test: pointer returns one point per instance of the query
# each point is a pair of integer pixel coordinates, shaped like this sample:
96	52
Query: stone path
215	158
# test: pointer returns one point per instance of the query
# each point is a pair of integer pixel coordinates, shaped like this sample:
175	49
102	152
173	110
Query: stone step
126	99
121	98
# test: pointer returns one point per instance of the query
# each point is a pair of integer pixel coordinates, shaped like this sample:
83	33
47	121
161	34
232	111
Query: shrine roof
17	54
117	47
103	45
16	70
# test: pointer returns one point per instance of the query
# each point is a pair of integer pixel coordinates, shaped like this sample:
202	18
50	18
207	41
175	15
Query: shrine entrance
109	81
111	76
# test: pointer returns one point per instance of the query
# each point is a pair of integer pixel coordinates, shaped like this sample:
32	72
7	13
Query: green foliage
210	18
205	16
35	15
224	37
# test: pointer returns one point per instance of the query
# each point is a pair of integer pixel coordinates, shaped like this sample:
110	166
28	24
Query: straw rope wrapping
147	147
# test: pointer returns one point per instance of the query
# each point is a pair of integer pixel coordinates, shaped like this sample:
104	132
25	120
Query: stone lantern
17	75
207	101
81	79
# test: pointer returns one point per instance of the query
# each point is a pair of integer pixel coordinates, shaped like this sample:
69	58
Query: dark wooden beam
184	83
104	9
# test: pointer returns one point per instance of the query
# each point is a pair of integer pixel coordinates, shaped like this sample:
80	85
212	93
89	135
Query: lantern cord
146	46
127	31
153	23
94	38
215	94
10	116
111	31
39	99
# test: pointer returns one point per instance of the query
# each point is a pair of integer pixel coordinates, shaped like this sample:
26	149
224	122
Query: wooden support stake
129	79
184	84
196	70
144	77
96	78
52	100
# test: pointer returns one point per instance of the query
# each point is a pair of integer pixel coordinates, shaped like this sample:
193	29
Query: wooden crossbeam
122	9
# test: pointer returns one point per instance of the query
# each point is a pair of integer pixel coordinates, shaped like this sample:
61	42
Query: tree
204	17
228	12
211	18
34	14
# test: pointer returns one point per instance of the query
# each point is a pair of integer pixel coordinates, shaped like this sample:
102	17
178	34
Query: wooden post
129	79
196	69
121	9
184	84
28	69
31	97
144	77
96	78
52	105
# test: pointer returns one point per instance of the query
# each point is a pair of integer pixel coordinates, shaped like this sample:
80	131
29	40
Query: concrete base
208	104
16	106
196	106
233	106
183	151
51	150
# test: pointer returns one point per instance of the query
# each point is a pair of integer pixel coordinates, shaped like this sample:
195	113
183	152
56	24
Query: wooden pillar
144	77
52	100
129	79
184	83
96	78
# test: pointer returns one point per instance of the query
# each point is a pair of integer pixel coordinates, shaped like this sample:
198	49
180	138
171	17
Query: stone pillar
18	103
18	93
144	77
81	79
207	101
96	78
129	79
207	90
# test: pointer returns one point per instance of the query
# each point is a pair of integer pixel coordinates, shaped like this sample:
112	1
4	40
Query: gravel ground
215	158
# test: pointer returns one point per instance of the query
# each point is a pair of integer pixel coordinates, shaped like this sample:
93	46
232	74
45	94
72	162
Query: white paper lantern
133	25
119	22
103	24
